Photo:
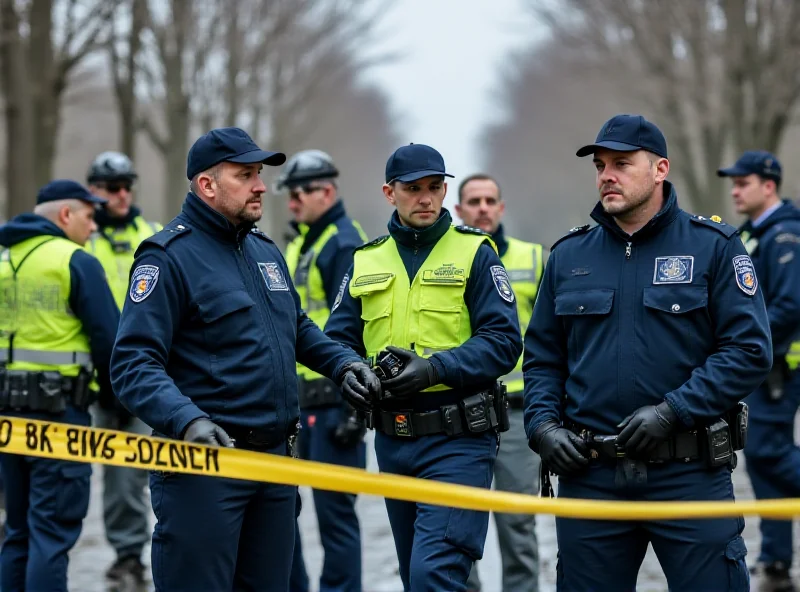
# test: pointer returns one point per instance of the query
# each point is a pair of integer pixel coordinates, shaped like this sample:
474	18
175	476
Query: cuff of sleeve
183	417
441	368
680	409
340	369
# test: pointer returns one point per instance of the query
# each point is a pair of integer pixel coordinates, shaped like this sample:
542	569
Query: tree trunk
126	86
20	181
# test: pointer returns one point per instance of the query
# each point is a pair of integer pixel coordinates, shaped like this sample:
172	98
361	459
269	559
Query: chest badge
675	269
273	277
143	280
745	274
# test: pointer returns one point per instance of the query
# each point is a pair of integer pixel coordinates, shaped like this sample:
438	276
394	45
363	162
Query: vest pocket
440	316
376	312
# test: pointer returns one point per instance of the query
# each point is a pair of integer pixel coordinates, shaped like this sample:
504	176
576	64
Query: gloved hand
418	374
360	387
644	429
561	450
205	431
350	430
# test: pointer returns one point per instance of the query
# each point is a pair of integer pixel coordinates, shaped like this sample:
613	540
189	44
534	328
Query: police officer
206	353
437	298
318	259
771	236
480	205
58	322
648	331
120	229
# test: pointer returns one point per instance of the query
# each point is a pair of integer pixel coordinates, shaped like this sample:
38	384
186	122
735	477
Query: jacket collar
663	218
311	232
499	238
419	237
206	218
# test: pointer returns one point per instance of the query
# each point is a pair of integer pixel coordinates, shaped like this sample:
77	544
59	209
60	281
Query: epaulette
374	243
578	230
260	234
464	229
716	223
164	236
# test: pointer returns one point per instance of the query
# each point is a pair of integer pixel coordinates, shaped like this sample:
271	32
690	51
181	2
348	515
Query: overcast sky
441	87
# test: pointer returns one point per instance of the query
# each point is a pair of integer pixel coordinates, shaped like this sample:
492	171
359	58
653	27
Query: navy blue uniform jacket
672	312
90	298
495	345
211	328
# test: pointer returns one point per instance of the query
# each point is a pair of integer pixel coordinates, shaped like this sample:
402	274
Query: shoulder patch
143	280
745	274
464	229
374	243
502	283
578	230
165	236
716	223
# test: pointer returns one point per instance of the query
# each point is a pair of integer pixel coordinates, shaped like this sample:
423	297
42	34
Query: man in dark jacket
648	331
771	236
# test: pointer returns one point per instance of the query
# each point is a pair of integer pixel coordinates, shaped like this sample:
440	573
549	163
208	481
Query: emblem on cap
745	274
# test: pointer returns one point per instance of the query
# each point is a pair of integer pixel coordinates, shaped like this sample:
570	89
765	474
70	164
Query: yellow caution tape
111	447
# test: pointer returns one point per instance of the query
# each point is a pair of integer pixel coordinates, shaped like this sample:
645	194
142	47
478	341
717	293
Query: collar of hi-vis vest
499	238
206	218
311	232
419	237
662	219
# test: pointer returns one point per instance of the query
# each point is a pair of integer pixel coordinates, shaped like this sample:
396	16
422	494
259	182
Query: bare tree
42	43
722	75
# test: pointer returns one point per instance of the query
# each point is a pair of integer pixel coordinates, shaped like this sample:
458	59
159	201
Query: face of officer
119	194
234	190
630	183
74	217
752	194
418	202
308	202
480	205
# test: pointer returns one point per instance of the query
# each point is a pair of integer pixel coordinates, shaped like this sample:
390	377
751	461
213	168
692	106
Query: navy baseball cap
66	189
412	162
627	133
754	162
227	144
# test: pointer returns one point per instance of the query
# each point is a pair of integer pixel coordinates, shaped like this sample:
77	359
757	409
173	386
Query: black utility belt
259	438
321	392
715	443
481	412
516	401
51	392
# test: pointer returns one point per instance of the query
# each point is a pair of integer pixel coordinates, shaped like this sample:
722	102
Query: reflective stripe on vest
35	316
430	314
115	248
524	264
307	279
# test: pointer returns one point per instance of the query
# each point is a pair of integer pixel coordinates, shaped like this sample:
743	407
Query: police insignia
340	295
745	274
143	279
502	283
273	277
675	269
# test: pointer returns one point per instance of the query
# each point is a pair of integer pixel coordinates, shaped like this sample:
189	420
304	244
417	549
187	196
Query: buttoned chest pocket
440	316
676	314
585	315
375	293
226	318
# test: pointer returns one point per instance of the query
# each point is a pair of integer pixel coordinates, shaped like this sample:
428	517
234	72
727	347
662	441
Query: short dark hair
477	177
773	179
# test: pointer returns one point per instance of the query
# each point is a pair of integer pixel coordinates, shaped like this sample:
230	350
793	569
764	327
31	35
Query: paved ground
92	555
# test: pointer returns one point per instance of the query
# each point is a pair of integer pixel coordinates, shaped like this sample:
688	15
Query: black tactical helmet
111	166
304	166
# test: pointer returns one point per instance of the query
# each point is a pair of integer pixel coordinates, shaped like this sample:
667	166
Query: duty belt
260	438
682	446
23	390
515	401
317	393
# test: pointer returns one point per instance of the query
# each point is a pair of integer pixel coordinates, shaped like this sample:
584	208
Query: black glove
360	386
205	431
350	430
561	450
418	374
644	429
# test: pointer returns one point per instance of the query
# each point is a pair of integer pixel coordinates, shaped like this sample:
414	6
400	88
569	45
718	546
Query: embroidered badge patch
143	279
502	283
745	274
273	277
675	269
340	294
